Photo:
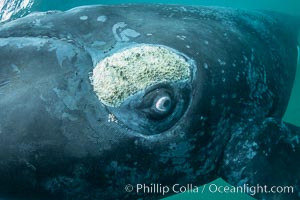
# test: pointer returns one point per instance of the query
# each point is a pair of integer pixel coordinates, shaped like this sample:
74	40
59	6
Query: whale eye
146	87
156	109
163	104
158	104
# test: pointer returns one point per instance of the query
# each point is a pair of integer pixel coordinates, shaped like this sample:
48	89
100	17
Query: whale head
99	97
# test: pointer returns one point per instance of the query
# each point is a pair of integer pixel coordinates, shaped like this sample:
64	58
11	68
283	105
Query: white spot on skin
43	98
149	34
188	46
252	54
112	118
37	22
83	17
206	42
222	63
184	9
129	33
117	26
52	48
251	147
181	37
98	44
15	68
102	18
123	35
237	78
296	139
171	15
205	65
61	52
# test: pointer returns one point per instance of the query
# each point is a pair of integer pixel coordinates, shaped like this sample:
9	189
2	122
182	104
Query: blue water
17	8
11	9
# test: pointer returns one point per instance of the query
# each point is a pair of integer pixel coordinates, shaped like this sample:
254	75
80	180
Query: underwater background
12	9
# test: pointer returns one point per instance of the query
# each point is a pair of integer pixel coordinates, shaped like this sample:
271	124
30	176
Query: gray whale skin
60	140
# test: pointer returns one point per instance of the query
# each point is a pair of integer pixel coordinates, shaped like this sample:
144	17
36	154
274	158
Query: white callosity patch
129	71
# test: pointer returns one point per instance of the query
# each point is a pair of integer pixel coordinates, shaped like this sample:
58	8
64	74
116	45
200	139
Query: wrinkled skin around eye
154	110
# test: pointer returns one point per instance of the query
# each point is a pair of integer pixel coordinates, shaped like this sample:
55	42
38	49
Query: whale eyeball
158	102
163	104
125	73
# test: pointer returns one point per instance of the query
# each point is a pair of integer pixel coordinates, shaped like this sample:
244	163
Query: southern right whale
99	97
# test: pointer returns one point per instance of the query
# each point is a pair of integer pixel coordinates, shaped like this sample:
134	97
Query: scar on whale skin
123	35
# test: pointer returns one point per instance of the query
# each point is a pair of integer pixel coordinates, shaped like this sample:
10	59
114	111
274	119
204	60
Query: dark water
11	9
